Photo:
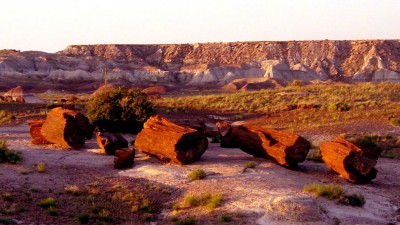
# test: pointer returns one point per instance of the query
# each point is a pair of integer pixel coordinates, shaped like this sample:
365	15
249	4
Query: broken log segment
35	127
285	148
65	127
109	142
170	142
351	162
123	158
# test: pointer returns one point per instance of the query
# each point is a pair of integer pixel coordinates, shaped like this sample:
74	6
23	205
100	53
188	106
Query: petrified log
109	142
353	163
285	148
35	132
124	158
170	142
66	127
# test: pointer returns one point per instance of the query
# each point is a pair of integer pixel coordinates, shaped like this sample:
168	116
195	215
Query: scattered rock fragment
110	142
124	158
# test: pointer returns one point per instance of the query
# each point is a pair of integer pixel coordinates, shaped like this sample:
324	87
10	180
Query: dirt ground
266	194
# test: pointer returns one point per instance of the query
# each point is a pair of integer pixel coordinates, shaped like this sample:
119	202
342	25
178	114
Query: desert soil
266	194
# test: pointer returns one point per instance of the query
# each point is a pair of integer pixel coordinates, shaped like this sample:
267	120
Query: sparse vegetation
366	100
7	196
6	221
6	117
41	167
7	155
338	107
115	109
314	155
72	189
210	201
336	192
52	211
186	221
327	191
296	83
226	218
47	203
197	174
250	165
83	218
357	200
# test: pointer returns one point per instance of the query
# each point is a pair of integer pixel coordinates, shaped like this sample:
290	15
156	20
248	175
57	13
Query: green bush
367	141
296	83
7	155
83	218
250	165
197	174
187	221
395	121
119	109
315	155
47	203
353	200
338	107
328	191
6	117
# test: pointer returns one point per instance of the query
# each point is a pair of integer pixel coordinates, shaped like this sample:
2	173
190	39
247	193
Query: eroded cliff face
210	63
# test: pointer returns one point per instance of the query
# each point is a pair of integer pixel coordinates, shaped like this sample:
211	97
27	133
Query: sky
52	25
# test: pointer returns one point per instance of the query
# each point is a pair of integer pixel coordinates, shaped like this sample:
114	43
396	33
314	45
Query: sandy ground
267	194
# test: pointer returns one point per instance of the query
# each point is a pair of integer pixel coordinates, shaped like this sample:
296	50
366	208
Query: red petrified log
285	148
109	142
35	132
353	163
170	142
65	127
124	158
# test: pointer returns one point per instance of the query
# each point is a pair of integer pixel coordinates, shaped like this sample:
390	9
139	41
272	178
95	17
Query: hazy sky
51	25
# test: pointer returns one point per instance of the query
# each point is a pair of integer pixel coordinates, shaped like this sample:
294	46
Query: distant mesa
82	67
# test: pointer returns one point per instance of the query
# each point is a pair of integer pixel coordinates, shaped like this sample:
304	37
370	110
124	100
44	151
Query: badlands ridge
83	67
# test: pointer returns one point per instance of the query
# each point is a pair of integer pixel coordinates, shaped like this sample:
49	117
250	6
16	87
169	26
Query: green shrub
367	141
213	201
41	167
250	165
314	155
296	83
197	174
338	107
216	139
225	218
52	211
72	189
119	109
210	201
187	221
7	197
6	221
395	121
328	191
191	201
83	218
47	203
6	117
353	200
7	155
147	216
